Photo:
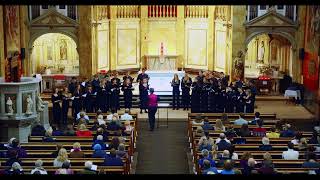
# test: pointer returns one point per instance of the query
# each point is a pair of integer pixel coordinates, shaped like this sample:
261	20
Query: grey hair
265	141
100	137
121	147
205	152
16	166
88	164
38	163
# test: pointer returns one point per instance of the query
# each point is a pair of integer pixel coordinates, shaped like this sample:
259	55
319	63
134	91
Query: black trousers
152	116
185	98
176	99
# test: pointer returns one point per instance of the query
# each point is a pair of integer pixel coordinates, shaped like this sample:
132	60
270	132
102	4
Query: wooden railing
162	11
102	12
196	12
128	11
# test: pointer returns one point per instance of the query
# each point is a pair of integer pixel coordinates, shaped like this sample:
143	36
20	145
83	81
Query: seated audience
100	120
102	132
15	146
219	126
206	125
291	154
265	145
205	145
76	152
56	131
38	167
208	169
206	137
256	118
247	170
48	136
231	133
287	131
227	168
98	152
267	166
126	116
83	131
81	121
198	121
205	156
15	169
223	156
82	115
61	158
38	130
55	153
199	131
303	144
311	161
223	143
259	131
244	131
224	119
112	159
100	141
273	133
88	168
113	116
121	152
95	125
233	155
12	158
114	144
65	168
114	125
244	159
241	120
127	128
296	139
69	131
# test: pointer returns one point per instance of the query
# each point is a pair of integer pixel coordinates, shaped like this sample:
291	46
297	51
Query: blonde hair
219	125
82	127
265	141
76	145
267	156
62	155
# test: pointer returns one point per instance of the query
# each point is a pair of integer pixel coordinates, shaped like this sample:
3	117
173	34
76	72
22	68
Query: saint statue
261	53
29	105
239	65
9	106
40	104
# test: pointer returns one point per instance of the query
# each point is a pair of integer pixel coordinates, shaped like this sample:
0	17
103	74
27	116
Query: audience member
61	158
223	143
88	168
15	146
291	154
273	133
227	168
225	119
100	141
15	169
56	131
219	126
76	152
303	144
259	131
208	169
100	120
55	153
65	168
12	157
69	131
126	116
114	144
205	156
48	136
311	161
241	120
98	152
256	118
206	125
247	170
38	167
112	159
121	152
265	145
287	131
38	130
198	121
244	131
83	131
83	115
244	159
296	139
127	128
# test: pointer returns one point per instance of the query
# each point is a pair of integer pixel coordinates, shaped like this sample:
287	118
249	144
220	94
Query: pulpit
161	62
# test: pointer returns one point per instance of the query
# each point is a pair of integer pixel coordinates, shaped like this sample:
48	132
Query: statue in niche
29	105
63	49
40	104
261	53
239	65
9	106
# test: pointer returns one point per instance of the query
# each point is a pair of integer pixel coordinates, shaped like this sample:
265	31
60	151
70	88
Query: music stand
163	105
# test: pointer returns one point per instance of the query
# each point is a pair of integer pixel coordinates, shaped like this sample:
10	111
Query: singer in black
127	76
186	83
142	76
195	96
102	96
143	95
175	83
127	93
89	100
66	97
56	108
115	77
240	103
76	101
114	98
249	101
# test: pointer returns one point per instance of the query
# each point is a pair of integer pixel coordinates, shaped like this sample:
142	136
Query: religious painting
197	47
63	49
10	100
12	29
126	47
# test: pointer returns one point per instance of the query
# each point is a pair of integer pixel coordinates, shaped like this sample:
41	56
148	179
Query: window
263	7
44	6
62	6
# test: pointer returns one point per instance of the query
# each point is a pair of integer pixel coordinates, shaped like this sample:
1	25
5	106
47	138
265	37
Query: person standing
114	98
127	93
127	76
56	108
89	100
185	86
175	83
195	96
76	102
66	97
142	76
152	108
143	95
249	101
102	96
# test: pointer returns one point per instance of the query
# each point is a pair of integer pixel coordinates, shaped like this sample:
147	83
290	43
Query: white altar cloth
160	80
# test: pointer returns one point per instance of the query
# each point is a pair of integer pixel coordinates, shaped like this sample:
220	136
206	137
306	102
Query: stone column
85	39
211	37
113	37
24	39
144	30
180	37
2	58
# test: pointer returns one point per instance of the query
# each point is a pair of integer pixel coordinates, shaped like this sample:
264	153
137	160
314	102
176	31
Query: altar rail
162	11
196	12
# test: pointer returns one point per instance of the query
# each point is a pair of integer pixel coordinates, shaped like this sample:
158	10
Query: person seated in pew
230	133
273	134
64	169
114	144
112	159
208	169
315	138
56	131
311	161
251	165
83	131
259	131
101	131
296	139
126	116
244	131
83	115
219	126
244	159
227	168
205	156
225	155
256	118
100	141
265	145
287	131
88	168
114	125
206	125
55	153
15	169
61	158
112	115
95	125
127	128
303	144
38	167
38	130
291	154
76	152
81	121
233	155
241	120
12	158
198	121
267	166
15	146
69	131
223	143
98	152
205	145
48	136
100	120
199	132
121	152
225	120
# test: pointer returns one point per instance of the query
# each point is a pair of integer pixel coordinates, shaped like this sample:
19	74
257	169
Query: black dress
76	103
185	87
56	108
229	103
127	93
250	104
195	97
175	93
221	101
102	98
204	97
65	108
89	101
240	103
114	97
143	95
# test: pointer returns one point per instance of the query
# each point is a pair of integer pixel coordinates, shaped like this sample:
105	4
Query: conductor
152	108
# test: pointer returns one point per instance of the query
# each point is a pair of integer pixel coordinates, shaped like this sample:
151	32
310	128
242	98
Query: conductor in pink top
152	108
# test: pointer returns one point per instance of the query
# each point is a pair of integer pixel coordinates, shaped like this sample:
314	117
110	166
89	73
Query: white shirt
295	141
218	140
290	155
41	170
234	156
126	116
101	121
195	123
86	117
109	117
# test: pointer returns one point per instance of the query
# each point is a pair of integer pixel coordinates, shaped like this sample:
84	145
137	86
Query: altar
161	62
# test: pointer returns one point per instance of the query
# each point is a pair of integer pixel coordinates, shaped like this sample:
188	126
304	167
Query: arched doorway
270	54
54	53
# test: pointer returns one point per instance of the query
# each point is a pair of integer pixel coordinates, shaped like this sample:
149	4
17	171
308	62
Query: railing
196	12
253	12
290	12
102	12
72	12
162	11
128	12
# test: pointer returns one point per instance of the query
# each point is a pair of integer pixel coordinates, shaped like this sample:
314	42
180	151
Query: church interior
159	89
